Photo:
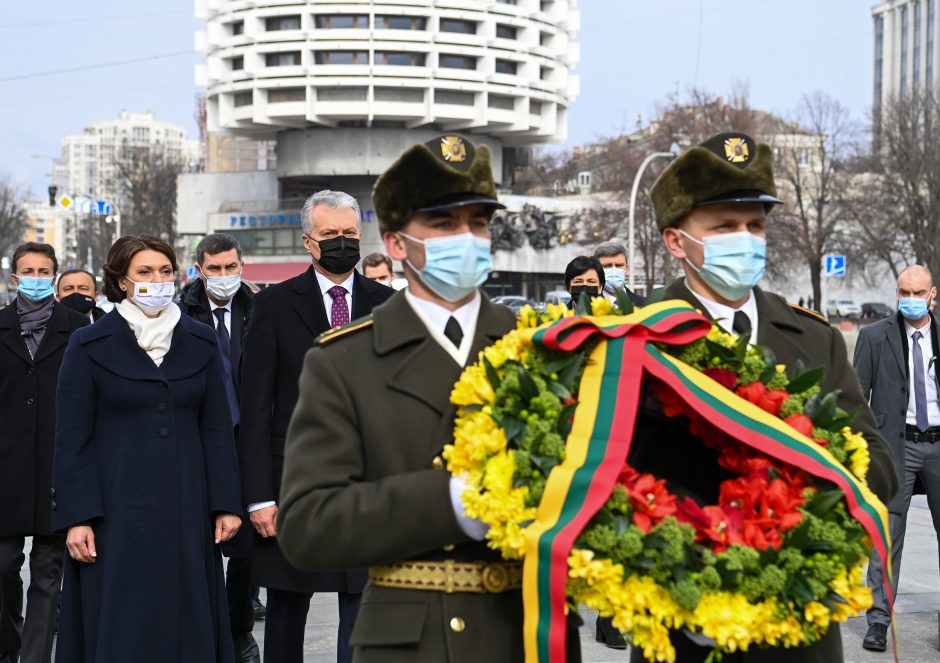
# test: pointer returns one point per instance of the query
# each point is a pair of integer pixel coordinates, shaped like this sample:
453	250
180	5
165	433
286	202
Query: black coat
146	455
27	419
194	302
286	318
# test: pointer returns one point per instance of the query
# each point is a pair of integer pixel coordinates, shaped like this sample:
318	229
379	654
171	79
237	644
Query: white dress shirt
326	284
435	317
724	315
227	316
926	353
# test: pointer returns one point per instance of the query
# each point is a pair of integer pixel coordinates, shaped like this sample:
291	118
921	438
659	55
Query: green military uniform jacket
364	485
663	446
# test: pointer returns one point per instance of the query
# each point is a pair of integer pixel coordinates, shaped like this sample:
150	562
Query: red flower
753	392
650	499
801	423
742	460
673	405
773	400
722	530
723	376
743	494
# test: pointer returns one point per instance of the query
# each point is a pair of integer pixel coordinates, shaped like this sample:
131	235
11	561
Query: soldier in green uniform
364	484
711	205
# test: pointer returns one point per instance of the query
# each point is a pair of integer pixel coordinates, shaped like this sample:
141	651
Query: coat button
30	400
52	492
449	547
437	463
53	505
161	407
457	625
29	371
162	432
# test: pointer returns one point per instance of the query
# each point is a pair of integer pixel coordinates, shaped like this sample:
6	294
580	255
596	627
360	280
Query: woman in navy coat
145	479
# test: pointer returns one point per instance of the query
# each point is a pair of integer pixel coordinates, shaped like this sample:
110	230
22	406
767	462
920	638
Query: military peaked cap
447	171
727	168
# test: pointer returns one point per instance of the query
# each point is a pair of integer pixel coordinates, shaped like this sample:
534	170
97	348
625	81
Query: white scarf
153	334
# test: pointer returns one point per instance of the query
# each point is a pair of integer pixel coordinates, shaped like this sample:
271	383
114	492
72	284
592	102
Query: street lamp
671	154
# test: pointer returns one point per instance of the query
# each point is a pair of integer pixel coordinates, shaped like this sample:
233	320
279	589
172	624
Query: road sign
102	207
65	201
834	265
192	273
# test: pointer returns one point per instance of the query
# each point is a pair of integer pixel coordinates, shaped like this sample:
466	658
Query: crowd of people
298	429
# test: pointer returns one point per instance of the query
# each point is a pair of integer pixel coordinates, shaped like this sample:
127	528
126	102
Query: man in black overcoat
220	299
286	318
34	330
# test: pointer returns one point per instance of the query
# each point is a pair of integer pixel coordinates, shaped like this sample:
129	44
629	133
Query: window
342	93
508	2
545	73
916	58
504	31
341	21
237	63
535	107
237	28
545	5
274	23
879	57
342	57
545	39
400	58
286	95
400	23
141	134
453	97
242	99
506	67
930	30
450	61
804	156
401	94
456	25
904	33
501	102
285	59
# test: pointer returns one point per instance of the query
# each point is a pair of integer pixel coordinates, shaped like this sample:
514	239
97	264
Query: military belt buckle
495	578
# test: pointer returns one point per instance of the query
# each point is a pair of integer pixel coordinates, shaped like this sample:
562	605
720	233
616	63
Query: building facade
343	87
905	57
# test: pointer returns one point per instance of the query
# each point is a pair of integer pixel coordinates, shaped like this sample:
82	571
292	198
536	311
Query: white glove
472	527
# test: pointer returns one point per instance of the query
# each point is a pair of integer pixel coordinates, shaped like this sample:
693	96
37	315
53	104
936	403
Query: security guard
364	483
711	205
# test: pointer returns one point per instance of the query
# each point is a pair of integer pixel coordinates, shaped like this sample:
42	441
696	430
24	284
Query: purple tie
339	314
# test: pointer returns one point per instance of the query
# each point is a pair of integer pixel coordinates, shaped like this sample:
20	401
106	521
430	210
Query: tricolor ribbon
602	433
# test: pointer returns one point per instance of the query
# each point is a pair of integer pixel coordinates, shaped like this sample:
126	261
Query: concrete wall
200	194
353	151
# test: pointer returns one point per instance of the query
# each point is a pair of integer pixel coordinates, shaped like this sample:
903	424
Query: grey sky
633	54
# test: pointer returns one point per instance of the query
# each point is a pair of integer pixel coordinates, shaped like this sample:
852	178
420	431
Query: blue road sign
192	273
834	265
102	207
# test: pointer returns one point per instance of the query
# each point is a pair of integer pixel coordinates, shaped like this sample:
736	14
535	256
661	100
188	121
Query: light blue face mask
913	308
454	266
614	278
734	262
34	288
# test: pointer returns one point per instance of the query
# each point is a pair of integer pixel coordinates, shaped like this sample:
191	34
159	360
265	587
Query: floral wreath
773	562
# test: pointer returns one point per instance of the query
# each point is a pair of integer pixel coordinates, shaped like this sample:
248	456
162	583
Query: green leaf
621	523
824	501
842	419
527	386
563	420
624	303
544	463
583	305
826	410
727	355
770	361
473	407
803	381
512	427
569	374
740	348
560	364
798	537
559	389
491	374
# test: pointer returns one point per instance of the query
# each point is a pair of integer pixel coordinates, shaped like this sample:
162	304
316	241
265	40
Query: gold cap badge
736	150
453	149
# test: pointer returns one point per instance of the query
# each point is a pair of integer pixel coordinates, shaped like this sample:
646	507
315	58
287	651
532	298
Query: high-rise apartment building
906	57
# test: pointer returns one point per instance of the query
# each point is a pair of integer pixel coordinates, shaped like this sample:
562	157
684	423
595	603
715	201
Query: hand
265	521
81	544
226	525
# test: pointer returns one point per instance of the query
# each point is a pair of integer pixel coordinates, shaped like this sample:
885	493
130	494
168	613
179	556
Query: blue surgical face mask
614	278
734	262
34	288
455	265
913	308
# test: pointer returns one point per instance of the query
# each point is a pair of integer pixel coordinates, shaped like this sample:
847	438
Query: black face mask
576	290
338	255
78	302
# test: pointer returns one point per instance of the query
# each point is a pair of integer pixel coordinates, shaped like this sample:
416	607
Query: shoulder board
345	330
809	313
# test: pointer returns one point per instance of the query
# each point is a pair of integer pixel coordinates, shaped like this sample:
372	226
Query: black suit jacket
27	419
285	321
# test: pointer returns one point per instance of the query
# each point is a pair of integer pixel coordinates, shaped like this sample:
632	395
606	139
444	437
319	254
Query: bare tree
809	174
147	190
12	214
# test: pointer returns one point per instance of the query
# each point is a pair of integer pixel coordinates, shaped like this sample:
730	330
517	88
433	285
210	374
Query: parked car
876	311
843	308
558	297
514	302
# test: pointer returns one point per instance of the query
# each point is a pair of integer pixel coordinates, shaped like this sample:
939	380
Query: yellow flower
781	368
817	614
476	438
473	388
528	318
601	306
558	311
721	337
859	458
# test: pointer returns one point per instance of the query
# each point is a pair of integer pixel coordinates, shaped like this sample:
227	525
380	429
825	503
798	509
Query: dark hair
609	250
216	243
376	259
120	256
579	266
69	272
35	247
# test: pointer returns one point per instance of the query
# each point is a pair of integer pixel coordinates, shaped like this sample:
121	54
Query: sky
634	53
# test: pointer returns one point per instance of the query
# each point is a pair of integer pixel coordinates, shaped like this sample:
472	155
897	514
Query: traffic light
53	189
